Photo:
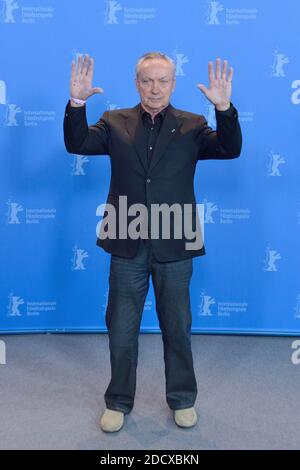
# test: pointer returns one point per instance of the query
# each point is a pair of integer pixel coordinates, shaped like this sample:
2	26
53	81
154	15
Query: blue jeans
128	288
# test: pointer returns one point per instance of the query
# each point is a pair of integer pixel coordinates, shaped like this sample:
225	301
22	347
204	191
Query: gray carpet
52	390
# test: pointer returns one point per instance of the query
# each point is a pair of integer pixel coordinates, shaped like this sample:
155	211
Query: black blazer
184	139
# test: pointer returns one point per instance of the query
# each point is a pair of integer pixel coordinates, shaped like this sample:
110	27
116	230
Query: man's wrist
76	102
223	106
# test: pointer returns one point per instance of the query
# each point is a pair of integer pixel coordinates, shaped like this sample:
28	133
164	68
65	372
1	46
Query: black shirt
151	130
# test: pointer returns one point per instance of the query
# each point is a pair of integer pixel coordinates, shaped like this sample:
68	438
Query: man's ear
174	85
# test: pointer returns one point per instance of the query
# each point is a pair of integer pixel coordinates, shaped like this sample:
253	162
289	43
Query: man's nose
155	88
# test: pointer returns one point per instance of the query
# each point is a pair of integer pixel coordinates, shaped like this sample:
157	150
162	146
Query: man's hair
151	56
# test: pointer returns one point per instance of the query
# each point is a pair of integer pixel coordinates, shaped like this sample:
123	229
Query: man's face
155	83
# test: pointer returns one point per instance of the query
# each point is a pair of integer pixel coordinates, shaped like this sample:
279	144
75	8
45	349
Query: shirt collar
162	113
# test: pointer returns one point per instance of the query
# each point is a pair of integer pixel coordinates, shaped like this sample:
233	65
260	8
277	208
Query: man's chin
155	104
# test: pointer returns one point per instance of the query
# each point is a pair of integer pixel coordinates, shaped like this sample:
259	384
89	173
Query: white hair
154	55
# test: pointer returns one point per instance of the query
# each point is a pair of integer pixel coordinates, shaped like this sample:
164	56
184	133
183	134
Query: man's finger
85	65
79	65
97	90
224	69
218	68
202	88
211	73
91	69
73	71
230	74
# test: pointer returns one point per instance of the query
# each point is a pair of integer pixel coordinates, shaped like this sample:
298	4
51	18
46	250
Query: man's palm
219	91
81	79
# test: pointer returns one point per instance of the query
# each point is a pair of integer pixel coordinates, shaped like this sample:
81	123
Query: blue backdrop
53	276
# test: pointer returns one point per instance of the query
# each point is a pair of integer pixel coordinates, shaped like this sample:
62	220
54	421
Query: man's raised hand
219	91
81	79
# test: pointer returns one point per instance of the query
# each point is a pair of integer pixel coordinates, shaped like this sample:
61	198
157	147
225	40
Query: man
154	149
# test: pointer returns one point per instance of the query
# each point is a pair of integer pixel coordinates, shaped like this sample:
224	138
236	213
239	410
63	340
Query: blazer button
148	180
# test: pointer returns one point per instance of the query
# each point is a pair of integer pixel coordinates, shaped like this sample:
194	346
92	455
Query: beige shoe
185	418
112	420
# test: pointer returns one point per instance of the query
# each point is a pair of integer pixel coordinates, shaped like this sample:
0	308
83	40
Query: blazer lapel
168	131
134	128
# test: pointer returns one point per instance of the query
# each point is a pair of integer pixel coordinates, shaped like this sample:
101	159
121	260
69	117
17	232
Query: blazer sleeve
82	139
223	143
